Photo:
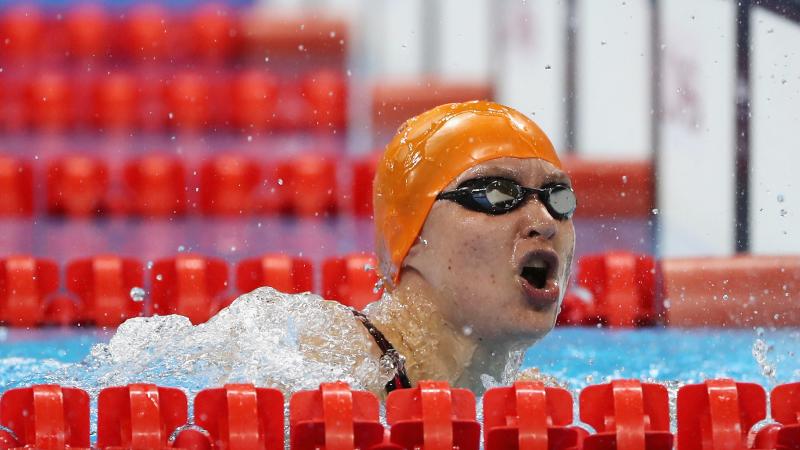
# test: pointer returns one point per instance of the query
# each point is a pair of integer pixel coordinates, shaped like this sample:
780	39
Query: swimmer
475	242
473	217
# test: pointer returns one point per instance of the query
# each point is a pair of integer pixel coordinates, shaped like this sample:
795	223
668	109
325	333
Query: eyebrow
557	177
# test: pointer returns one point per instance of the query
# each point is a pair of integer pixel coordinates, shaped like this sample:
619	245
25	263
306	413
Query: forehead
527	171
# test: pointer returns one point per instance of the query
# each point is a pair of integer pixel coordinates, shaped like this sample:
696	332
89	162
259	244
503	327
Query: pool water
576	356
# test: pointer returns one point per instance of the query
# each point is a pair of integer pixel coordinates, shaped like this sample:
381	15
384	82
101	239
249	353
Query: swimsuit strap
400	380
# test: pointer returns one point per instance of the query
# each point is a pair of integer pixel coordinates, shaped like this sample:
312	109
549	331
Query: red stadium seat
241	417
228	186
77	186
627	415
188	285
745	291
718	414
48	102
25	284
156	186
254	94
310	185
435	415
21	32
612	189
47	417
104	285
363	177
528	415
284	273
139	416
116	101
145	33
623	285
351	280
187	100
16	184
395	101
87	27
334	417
325	94
213	33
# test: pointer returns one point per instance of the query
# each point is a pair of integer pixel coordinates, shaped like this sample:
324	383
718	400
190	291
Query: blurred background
230	131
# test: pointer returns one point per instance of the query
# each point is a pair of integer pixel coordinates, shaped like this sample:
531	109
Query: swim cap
428	152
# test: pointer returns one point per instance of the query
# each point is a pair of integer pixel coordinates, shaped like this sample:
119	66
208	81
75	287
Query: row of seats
107	290
306	185
718	414
248	101
158	185
150	33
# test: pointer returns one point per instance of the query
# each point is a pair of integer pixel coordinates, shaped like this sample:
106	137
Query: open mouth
538	274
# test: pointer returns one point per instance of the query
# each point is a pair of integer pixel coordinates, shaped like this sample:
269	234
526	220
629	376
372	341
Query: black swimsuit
400	380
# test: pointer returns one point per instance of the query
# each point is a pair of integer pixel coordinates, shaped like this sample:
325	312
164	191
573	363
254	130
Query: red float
47	417
241	416
282	272
528	416
335	418
139	416
434	415
25	284
627	415
351	280
104	285
718	414
623	286
188	285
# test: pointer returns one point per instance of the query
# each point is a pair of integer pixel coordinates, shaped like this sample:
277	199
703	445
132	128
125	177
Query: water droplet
137	294
181	249
280	181
780	198
547	67
655	211
467	330
783	213
159	277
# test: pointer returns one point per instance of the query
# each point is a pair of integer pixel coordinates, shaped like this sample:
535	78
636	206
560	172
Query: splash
271	339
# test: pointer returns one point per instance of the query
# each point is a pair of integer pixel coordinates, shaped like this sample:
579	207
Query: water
576	356
266	341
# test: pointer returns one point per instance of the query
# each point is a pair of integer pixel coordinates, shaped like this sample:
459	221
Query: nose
538	222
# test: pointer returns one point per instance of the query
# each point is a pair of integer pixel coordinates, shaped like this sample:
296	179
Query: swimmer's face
498	277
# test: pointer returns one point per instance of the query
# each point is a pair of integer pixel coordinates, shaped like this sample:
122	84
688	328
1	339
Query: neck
434	349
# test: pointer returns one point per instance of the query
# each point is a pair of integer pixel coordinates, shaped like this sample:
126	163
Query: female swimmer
475	242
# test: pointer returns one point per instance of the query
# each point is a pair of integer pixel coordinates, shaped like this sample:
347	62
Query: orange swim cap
428	152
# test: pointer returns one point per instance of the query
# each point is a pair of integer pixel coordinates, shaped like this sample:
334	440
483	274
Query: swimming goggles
496	195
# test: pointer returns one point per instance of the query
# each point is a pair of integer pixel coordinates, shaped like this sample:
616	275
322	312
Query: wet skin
461	308
473	260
